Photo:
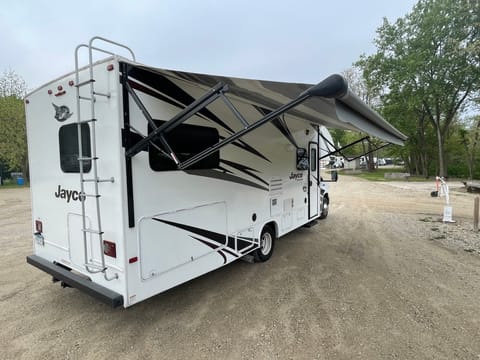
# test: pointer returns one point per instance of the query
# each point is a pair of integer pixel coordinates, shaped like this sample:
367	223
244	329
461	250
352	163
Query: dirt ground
380	278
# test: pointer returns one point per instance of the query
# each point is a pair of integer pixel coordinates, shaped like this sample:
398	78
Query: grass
10	184
379	175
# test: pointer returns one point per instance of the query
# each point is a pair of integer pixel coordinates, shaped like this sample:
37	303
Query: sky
296	41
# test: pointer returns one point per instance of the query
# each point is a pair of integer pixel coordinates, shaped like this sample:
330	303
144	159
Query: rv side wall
190	222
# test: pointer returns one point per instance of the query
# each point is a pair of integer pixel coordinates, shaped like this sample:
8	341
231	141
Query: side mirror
334	175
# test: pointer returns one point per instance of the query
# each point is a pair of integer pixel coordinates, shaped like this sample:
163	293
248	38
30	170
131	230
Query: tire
267	243
325	206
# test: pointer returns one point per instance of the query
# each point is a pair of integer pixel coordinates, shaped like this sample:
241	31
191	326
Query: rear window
68	140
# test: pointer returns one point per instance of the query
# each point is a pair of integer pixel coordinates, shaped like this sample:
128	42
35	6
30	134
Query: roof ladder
83	160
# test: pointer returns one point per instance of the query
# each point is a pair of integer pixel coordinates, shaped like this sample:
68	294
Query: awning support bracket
340	150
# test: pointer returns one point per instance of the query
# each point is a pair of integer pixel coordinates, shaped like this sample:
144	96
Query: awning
341	109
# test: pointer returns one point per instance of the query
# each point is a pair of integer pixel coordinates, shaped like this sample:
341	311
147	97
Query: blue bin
20	181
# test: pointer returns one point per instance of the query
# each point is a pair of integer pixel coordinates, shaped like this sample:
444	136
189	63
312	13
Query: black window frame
68	148
313	160
186	140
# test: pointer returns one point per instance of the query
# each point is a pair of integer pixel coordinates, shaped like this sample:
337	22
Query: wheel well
272	225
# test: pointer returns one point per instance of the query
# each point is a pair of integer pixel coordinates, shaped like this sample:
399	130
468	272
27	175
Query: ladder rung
92	231
87	158
91	195
86	121
100	180
80	84
101	94
86	98
96	267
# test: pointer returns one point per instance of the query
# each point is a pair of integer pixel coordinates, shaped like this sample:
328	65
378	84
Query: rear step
71	279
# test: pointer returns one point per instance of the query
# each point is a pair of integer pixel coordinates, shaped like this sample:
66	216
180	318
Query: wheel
267	243
325	203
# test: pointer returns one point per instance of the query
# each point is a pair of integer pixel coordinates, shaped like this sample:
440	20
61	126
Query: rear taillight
109	248
38	233
38	226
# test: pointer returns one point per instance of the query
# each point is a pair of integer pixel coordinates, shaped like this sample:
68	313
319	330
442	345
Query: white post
475	213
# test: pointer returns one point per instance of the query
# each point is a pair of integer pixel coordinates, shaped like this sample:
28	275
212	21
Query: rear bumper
103	294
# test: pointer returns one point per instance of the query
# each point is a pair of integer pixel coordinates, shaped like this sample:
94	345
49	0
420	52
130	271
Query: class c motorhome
144	178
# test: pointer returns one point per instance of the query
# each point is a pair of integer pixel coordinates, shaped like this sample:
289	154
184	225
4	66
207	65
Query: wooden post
475	213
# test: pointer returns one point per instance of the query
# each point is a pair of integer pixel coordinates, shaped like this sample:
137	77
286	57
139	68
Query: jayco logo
296	176
68	194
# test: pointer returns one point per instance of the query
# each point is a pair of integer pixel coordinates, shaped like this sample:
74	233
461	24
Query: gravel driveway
380	278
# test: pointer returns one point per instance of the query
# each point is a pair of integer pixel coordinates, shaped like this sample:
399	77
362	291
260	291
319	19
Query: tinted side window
68	139
186	141
313	160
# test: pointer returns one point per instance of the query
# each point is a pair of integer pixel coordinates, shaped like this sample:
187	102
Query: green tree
363	89
470	138
430	58
13	142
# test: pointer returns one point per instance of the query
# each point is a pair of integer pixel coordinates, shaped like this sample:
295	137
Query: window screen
68	139
186	141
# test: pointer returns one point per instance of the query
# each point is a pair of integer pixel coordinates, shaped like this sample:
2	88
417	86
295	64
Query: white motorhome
144	178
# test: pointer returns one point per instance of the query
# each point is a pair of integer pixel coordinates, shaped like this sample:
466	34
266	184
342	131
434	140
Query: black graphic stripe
230	252
220	175
223	255
217	237
244	146
280	124
154	94
245	169
214	247
223	169
211	235
182	100
242	245
209	244
172	90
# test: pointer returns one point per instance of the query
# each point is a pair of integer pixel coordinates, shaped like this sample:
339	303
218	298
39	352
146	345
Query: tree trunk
441	159
424	164
370	163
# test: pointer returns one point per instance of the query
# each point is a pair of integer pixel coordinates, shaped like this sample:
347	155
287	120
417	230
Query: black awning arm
181	117
340	151
249	128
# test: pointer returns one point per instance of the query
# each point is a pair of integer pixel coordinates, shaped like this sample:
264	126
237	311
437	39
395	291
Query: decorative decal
245	169
168	91
280	124
62	112
219	242
225	176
